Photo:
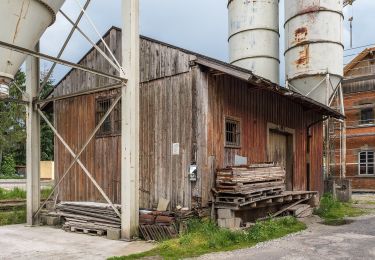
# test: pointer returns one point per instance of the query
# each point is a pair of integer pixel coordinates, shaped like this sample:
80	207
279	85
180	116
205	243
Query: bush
8	167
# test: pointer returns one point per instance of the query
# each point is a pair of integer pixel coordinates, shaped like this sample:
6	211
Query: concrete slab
20	242
21	183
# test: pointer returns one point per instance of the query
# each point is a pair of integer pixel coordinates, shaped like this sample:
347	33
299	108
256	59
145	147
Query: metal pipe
76	156
60	61
46	78
93	44
100	36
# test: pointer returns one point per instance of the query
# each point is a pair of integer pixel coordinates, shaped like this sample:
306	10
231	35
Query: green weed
17	216
333	211
204	237
15	193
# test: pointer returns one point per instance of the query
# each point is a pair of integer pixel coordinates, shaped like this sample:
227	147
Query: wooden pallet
284	197
88	231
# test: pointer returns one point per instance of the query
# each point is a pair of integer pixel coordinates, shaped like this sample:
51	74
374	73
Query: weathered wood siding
228	96
156	61
166	118
75	121
178	104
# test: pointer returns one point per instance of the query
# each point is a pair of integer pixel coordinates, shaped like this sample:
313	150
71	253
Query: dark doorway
280	151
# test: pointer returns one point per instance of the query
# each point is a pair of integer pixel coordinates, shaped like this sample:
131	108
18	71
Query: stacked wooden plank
238	185
88	217
301	210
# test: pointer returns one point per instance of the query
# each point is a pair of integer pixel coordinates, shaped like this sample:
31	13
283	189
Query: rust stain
300	34
304	57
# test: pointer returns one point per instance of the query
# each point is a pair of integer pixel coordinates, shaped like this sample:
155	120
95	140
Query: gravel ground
352	241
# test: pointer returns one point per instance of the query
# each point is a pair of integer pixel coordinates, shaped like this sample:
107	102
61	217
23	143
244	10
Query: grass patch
334	212
11	177
204	237
18	193
364	202
15	193
16	216
44	193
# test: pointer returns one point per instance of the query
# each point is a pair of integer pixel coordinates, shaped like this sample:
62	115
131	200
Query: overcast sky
197	25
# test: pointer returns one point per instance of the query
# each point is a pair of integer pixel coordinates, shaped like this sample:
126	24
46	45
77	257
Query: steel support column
32	140
130	121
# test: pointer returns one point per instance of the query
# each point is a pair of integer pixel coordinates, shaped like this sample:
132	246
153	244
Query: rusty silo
314	49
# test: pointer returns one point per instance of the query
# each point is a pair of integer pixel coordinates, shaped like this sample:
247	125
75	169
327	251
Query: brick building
359	101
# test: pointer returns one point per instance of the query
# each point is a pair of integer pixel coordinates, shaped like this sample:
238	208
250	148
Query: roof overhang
259	82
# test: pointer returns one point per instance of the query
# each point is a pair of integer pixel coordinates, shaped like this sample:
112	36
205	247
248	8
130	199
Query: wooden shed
194	110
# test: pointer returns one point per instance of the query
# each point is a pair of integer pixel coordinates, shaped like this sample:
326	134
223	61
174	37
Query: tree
13	127
12	123
46	134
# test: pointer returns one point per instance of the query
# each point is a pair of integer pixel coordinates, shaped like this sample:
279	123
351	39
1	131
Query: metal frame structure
128	81
339	96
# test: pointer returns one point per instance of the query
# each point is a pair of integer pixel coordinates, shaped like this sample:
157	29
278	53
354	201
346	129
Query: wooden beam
80	93
224	68
357	79
32	141
130	121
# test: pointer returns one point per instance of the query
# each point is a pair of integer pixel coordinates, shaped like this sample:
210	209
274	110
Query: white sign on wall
175	148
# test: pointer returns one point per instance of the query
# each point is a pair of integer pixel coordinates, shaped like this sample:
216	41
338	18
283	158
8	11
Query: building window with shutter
232	133
367	116
366	163
112	124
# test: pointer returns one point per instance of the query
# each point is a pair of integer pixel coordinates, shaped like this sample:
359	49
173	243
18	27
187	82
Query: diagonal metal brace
47	77
76	157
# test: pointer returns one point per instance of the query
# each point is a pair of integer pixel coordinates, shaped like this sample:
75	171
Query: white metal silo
314	49
22	23
254	36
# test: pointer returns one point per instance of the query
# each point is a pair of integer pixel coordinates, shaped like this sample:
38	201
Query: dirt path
20	242
351	241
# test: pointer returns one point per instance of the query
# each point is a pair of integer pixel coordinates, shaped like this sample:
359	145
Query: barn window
112	124
366	163
367	116
232	133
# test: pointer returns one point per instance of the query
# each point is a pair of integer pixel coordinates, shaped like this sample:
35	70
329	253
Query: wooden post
32	141
130	121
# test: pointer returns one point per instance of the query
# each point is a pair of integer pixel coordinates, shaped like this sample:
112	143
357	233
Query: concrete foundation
114	234
20	242
341	189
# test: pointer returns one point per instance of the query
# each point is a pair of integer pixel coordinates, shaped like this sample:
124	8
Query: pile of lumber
301	211
157	225
239	185
88	217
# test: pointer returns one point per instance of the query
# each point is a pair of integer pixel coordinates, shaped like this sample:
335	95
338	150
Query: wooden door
280	152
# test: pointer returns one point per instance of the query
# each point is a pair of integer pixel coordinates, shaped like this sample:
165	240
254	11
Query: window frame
367	121
237	133
114	117
366	163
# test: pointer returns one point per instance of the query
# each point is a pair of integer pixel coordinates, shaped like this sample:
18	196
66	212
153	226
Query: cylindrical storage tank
22	23
314	48
254	36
